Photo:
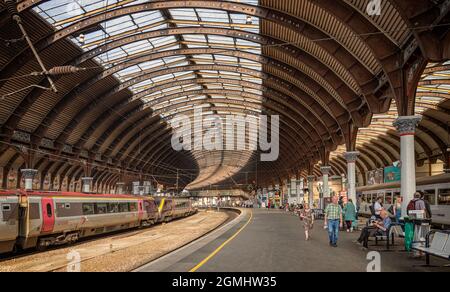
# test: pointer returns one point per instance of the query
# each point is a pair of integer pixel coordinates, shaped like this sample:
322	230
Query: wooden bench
438	247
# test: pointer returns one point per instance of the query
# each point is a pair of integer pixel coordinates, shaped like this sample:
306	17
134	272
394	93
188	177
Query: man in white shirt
378	207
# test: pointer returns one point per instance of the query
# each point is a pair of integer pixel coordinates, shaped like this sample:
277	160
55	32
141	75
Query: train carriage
41	219
9	223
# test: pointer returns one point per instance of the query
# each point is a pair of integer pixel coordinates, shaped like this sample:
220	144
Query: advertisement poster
375	177
392	174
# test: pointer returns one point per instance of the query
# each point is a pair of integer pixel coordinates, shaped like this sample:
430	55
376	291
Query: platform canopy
336	72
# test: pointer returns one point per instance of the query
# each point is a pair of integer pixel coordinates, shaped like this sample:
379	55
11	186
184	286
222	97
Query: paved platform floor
273	241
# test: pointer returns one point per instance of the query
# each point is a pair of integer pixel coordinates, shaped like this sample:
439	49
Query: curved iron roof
330	69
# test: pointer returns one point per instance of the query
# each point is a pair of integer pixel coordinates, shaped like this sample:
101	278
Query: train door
48	215
140	209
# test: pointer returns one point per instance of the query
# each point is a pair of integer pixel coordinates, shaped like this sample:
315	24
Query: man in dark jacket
427	205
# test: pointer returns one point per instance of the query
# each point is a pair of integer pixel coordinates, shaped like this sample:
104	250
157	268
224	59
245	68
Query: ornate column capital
325	169
311	178
87	183
351	156
406	126
29	173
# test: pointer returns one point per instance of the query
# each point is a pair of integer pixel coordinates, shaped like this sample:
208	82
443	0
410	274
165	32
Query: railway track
106	253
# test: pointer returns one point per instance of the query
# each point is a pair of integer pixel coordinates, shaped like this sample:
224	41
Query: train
39	219
435	188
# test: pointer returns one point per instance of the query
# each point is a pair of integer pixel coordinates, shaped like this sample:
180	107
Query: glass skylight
61	13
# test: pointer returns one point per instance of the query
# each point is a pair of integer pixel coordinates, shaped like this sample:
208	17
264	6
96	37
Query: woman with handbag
307	216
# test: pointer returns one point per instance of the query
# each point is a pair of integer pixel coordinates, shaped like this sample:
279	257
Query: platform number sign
374	259
74	265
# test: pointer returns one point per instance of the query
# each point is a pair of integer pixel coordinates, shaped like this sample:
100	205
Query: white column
311	190
406	127
120	188
136	185
351	158
326	187
86	184
29	175
300	193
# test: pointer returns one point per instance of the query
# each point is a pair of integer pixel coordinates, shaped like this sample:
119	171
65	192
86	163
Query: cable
12	9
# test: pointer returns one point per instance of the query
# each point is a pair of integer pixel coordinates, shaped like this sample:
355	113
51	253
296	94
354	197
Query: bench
395	230
438	247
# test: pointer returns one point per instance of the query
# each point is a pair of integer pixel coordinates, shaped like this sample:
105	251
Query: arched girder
153	153
387	157
435	137
250	72
383	144
132	146
160	156
381	46
150	141
366	160
341	165
220	101
108	72
336	168
45	171
172	84
350	109
379	161
39	133
7	169
281	18
440	128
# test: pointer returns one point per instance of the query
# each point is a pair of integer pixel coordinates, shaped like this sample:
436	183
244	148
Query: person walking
333	220
307	216
349	215
398	209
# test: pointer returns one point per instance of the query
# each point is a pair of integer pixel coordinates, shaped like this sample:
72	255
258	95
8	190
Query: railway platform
273	241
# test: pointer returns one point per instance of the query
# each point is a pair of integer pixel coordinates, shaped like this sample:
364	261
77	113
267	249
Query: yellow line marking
161	205
214	253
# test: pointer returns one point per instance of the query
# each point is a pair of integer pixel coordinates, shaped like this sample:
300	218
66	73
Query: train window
444	197
101	208
88	209
124	207
133	207
49	210
364	198
6	207
113	208
396	197
388	199
430	196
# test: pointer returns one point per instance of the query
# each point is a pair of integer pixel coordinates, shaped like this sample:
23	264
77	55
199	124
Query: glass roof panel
61	13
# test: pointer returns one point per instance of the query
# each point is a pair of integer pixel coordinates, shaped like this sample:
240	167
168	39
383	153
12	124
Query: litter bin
416	231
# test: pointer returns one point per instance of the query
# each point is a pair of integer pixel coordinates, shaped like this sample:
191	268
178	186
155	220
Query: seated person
379	227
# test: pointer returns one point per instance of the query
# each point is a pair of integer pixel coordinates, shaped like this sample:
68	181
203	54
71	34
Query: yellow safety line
161	205
214	253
